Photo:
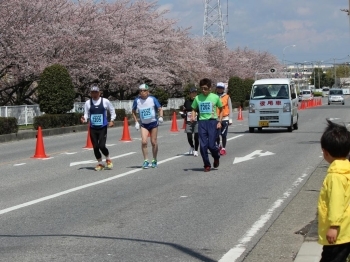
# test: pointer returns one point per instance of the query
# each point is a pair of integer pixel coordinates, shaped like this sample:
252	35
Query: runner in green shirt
209	122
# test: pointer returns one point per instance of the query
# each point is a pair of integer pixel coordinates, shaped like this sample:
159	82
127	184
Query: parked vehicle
305	95
273	103
336	96
325	91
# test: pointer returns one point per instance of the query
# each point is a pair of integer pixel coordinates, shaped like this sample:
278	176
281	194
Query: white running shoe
195	153
190	152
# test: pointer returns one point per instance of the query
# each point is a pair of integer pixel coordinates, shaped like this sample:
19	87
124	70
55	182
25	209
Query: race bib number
205	107
146	113
97	119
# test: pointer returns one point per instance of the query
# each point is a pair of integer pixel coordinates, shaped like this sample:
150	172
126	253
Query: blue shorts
150	126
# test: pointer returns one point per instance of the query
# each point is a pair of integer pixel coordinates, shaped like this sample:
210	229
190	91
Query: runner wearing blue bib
95	111
208	104
148	108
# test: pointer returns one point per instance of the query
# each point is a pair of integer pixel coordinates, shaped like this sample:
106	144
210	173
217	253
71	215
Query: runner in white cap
148	108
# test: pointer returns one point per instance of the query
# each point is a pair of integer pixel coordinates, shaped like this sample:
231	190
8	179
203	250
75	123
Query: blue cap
193	89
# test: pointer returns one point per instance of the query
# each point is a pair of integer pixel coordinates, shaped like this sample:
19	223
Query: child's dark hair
336	140
205	81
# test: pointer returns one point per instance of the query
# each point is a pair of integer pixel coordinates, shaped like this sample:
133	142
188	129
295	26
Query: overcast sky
319	29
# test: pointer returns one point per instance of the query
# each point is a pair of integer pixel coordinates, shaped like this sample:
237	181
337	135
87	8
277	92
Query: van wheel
251	129
342	103
259	129
329	103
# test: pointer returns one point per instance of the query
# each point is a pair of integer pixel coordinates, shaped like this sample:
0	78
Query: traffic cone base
126	133
39	150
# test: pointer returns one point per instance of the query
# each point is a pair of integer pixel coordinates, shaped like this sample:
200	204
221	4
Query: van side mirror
294	95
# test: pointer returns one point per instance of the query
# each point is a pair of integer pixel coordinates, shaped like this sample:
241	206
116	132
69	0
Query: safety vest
225	108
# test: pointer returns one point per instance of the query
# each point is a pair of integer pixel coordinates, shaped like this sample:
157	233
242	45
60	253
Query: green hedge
8	125
60	120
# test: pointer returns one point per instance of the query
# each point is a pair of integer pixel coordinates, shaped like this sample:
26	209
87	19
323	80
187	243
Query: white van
273	103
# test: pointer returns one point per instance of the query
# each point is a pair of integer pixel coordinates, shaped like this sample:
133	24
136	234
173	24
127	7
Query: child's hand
332	234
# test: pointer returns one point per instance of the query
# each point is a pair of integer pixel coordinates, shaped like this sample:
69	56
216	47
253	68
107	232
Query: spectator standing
334	197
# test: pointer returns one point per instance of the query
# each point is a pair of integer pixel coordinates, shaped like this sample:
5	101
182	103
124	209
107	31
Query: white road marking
234	253
20	164
94	161
36	201
69	153
251	156
228	139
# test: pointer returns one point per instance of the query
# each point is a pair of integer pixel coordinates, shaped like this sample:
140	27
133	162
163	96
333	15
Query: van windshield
335	92
270	92
325	89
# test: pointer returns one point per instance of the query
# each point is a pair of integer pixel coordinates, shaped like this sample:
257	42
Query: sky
319	30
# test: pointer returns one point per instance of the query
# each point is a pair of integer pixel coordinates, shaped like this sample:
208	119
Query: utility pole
213	21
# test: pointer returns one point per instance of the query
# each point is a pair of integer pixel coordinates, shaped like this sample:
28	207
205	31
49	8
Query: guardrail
25	113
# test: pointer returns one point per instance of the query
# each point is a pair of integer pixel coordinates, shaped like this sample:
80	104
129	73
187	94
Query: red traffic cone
126	133
240	115
88	139
40	150
174	124
184	124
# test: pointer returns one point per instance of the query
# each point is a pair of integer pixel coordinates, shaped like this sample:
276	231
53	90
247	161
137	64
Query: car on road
305	95
336	96
325	91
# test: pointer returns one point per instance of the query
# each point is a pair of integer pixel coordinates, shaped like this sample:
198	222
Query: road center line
234	253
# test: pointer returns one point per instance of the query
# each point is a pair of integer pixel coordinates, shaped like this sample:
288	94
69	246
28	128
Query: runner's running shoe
195	153
145	164
109	164
206	168
154	163
190	152
223	151
99	167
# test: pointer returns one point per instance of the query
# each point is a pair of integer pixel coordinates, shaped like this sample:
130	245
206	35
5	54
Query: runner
209	123
191	127
148	108
227	116
95	111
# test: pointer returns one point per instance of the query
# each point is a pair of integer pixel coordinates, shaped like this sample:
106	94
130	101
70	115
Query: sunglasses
205	88
143	90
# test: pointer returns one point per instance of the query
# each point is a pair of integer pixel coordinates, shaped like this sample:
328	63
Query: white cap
220	84
143	87
94	88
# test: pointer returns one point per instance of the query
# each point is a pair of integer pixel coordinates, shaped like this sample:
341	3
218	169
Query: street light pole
283	53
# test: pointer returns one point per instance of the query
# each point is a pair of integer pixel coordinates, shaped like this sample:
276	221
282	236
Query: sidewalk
310	250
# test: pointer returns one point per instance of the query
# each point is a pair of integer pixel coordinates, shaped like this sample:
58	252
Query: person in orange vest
226	116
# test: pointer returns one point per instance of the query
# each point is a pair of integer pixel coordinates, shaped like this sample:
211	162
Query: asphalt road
60	209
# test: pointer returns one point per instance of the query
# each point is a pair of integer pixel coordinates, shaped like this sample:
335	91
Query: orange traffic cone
240	115
184	124
88	139
40	150
126	133
174	124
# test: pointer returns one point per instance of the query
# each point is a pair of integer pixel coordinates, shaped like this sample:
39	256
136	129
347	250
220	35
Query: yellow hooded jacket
333	202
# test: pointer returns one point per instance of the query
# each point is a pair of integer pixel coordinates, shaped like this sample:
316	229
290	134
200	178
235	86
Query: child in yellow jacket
334	199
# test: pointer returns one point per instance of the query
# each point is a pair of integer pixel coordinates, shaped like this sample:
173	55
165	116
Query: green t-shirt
207	105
